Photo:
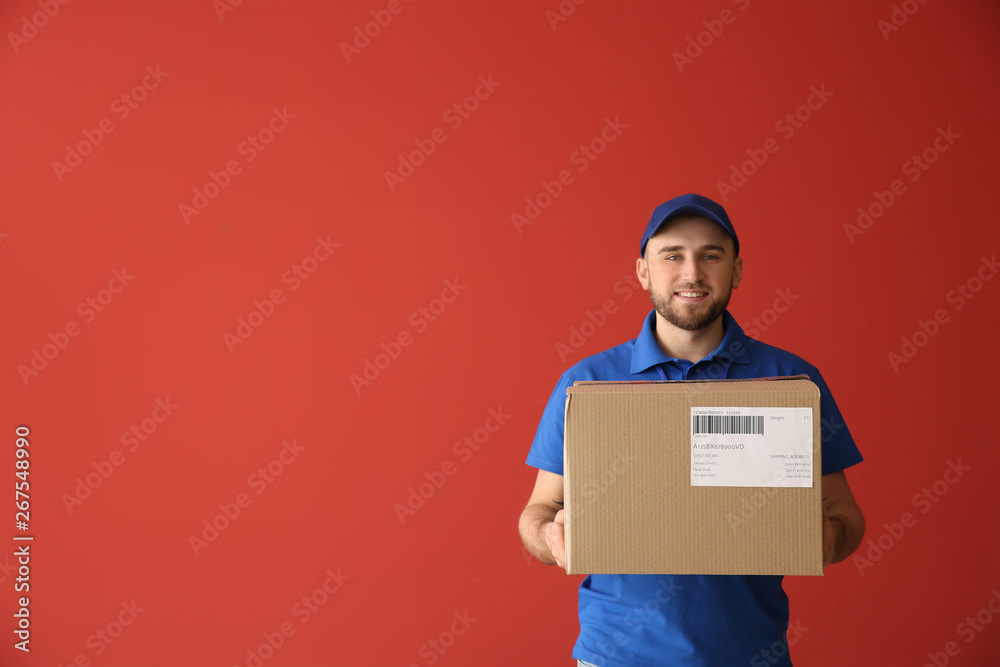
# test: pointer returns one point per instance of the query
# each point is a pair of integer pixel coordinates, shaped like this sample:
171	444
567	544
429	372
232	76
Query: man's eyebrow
675	248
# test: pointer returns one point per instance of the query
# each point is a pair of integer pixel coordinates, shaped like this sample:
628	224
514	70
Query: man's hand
541	522
843	523
555	537
829	539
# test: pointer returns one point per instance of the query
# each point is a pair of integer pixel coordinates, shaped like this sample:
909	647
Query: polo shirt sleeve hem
545	464
836	466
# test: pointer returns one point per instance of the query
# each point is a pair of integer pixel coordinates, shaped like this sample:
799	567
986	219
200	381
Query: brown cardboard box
655	485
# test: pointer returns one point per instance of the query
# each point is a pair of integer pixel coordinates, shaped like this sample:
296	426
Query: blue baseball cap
687	205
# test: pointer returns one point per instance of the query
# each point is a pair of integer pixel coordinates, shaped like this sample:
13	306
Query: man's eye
711	257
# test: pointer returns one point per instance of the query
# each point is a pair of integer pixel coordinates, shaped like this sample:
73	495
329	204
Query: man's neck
691	345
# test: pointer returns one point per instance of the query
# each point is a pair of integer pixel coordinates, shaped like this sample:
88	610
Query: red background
495	346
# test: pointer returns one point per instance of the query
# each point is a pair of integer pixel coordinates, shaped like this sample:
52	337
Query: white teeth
693	295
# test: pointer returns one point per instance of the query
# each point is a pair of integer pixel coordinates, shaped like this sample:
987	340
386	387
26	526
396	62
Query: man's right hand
541	522
555	537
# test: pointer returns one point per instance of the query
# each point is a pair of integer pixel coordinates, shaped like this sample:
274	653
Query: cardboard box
693	477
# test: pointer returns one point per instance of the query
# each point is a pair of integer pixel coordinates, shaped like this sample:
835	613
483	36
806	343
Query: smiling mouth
691	295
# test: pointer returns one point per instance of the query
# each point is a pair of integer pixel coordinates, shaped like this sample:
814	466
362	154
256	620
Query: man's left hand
843	523
829	539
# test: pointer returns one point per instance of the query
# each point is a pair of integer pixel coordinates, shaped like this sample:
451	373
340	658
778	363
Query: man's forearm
533	525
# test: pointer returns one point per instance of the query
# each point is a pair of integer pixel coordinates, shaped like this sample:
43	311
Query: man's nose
691	271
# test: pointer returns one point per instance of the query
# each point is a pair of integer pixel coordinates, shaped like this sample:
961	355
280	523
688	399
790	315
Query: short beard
689	322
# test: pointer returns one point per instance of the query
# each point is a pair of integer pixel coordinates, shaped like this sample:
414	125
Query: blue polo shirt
710	620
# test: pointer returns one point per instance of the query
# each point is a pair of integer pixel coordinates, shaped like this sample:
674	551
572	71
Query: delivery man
690	263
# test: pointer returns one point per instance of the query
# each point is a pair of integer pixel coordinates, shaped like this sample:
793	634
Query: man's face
690	271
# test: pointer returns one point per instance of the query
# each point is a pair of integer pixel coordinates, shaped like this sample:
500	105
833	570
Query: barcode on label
728	424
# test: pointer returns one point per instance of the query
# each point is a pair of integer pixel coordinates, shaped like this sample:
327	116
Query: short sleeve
838	448
547	449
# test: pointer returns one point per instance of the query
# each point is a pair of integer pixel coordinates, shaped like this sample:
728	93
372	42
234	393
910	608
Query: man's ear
737	272
642	271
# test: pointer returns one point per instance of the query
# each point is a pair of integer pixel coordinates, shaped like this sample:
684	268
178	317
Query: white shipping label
752	447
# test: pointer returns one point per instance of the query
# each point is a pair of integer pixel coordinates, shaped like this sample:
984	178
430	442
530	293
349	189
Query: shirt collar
646	352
